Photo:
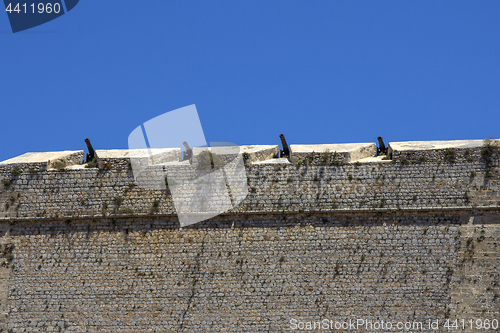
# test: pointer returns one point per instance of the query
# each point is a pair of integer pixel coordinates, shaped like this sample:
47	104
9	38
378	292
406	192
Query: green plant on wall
335	160
449	155
59	164
155	206
489	152
92	164
16	171
117	201
325	155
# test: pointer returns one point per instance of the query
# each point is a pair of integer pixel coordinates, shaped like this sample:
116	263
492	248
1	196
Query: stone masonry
331	233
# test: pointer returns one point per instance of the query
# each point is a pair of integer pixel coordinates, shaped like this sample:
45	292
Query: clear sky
317	71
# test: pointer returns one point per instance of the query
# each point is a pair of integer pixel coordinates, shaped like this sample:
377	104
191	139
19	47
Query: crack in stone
196	270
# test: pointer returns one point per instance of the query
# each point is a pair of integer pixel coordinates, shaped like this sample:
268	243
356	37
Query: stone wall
250	273
86	250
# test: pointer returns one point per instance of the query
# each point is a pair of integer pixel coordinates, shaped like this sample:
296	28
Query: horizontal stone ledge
227	154
373	159
283	160
436	210
172	156
331	154
168	154
432	145
46	160
314	154
438	151
120	158
259	153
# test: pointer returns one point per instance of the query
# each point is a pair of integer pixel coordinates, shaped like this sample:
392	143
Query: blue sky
318	71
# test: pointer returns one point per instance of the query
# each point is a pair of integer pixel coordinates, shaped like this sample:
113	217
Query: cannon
382	149
188	153
285	151
91	154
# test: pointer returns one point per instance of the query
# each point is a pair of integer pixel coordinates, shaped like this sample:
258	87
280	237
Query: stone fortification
332	232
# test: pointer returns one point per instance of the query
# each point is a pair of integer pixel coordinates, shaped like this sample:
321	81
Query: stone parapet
274	185
331	154
30	162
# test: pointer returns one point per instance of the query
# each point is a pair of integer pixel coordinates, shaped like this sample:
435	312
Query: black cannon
91	154
188	153
285	151
382	149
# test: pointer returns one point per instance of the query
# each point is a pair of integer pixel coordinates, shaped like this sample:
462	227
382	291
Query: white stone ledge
157	155
433	145
283	160
67	157
372	159
352	151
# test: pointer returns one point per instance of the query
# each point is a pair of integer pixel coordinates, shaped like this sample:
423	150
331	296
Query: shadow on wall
316	220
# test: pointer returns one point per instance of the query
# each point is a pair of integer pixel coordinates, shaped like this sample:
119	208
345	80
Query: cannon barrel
188	153
91	154
285	151
381	146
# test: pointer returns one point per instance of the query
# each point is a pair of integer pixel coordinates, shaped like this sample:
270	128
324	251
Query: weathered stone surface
158	155
428	145
275	184
247	274
474	281
152	156
85	250
259	152
373	159
55	159
439	151
282	160
344	152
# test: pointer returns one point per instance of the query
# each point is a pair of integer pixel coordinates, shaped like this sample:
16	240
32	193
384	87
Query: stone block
283	160
344	152
258	153
121	157
438	151
431	145
51	160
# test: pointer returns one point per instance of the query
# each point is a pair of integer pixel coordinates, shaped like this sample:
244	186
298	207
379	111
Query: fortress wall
250	273
84	250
